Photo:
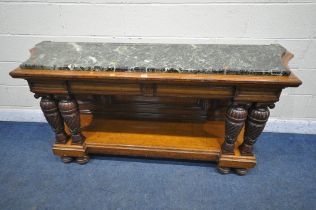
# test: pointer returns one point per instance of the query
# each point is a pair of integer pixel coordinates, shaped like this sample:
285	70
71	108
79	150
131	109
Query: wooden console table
198	102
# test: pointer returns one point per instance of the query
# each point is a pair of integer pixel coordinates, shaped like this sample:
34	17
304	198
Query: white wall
292	23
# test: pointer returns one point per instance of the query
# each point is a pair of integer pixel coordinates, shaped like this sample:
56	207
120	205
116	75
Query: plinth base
157	139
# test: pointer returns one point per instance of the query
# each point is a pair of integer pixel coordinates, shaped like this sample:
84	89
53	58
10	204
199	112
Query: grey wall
291	23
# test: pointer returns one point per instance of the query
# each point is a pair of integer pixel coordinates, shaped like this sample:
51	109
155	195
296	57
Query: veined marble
181	58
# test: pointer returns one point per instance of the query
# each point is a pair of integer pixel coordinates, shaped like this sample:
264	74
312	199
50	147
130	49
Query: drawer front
133	89
48	87
104	88
258	94
203	91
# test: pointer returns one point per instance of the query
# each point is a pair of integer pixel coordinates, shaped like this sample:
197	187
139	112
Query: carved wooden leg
235	118
69	110
256	121
53	117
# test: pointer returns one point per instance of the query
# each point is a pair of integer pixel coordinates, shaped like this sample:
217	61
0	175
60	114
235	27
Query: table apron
252	93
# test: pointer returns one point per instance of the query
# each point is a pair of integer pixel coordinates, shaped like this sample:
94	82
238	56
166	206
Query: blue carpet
31	177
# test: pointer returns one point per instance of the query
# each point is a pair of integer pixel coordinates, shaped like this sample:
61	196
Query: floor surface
31	177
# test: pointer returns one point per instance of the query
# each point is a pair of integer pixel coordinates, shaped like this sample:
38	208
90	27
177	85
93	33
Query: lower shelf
179	140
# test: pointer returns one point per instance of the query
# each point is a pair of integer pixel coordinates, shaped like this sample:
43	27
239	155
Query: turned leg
256	121
236	115
235	118
70	112
53	117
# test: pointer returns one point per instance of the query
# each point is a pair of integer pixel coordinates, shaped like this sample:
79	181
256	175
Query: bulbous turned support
236	115
70	112
53	117
257	117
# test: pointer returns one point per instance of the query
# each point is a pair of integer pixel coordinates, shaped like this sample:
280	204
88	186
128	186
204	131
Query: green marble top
181	58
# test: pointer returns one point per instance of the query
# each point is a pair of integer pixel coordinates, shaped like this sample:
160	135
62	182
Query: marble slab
180	58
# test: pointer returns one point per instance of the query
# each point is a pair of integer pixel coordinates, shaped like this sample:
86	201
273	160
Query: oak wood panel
179	140
69	149
257	94
237	161
48	86
104	88
199	91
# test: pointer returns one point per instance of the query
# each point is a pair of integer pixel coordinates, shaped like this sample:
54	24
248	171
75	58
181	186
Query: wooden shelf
178	140
200	141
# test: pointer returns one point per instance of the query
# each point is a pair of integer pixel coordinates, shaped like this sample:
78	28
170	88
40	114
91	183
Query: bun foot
223	170
61	138
66	159
83	160
241	171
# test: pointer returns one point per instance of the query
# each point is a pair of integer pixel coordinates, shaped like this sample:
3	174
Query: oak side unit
197	102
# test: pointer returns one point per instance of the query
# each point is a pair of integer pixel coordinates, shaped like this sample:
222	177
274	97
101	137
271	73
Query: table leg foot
83	160
66	159
223	170
241	171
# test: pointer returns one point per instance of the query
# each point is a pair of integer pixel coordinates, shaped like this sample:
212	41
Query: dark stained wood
158	108
257	117
69	111
53	117
235	118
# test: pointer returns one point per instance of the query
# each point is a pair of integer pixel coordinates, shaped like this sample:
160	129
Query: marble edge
285	72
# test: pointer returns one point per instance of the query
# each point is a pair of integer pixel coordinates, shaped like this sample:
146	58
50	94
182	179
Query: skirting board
303	126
